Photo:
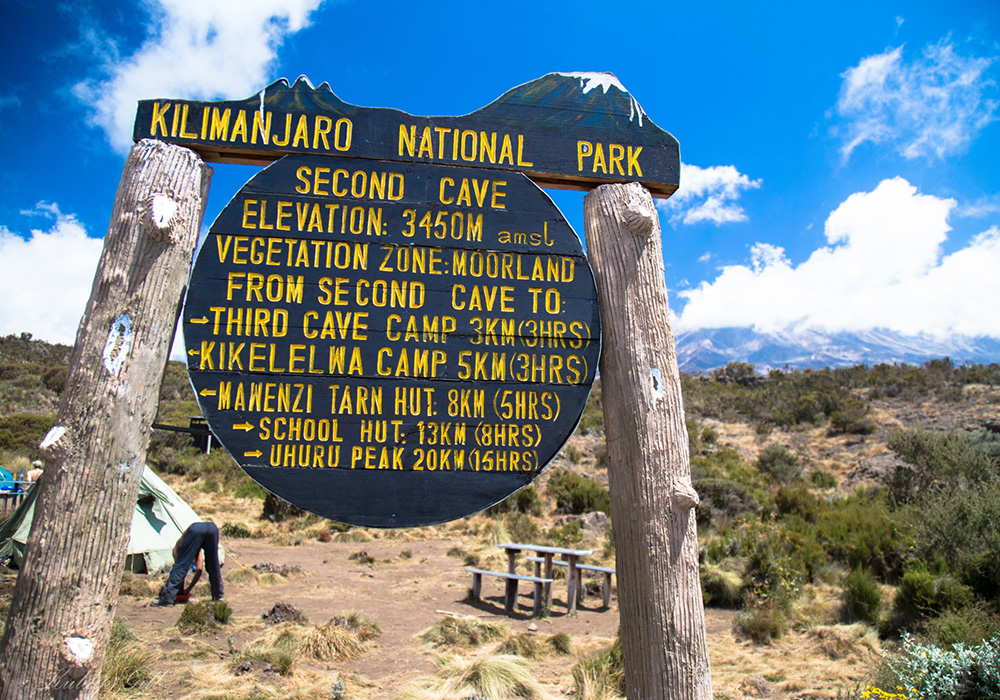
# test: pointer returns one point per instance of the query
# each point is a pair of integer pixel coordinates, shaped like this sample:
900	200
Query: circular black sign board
391	344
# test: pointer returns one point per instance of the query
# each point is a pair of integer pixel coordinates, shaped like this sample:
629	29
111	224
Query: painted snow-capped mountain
705	349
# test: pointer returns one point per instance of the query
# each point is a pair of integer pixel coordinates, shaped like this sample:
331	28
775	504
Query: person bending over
197	548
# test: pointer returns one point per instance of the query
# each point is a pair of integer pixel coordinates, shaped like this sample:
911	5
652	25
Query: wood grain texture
660	601
67	591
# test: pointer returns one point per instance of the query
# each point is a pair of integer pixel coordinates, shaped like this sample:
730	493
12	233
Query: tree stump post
652	499
64	602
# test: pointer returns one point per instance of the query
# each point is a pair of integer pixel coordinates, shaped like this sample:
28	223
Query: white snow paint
118	345
657	378
52	437
589	81
162	210
80	648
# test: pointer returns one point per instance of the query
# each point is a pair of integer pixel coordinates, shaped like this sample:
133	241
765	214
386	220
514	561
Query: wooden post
67	591
659	596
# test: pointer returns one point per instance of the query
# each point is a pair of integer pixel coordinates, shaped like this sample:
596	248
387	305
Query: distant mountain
706	349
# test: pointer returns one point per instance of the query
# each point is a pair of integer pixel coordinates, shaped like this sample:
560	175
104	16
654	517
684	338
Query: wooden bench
510	593
571	557
605	588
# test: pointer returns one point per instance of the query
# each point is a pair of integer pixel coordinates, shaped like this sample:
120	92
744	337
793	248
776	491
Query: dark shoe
159	602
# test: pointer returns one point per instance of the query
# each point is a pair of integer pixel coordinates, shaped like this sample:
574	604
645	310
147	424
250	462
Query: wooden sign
563	130
391	344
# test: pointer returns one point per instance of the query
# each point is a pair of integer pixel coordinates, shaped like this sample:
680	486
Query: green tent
160	517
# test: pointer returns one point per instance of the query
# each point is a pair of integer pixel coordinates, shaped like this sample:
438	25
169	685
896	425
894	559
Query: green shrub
601	456
694	445
54	378
576	494
524	500
727	486
928	671
521	526
235	531
863	531
822	479
797	500
221	612
709	436
248	488
199	618
862	597
22	432
777	560
778	464
959	526
851	416
573	455
567	535
922	594
762	622
969	626
592	420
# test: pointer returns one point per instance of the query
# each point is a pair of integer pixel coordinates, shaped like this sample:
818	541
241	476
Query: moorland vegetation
790	537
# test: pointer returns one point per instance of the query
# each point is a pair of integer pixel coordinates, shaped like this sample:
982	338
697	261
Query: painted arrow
243	426
192	353
200	321
255	453
208	392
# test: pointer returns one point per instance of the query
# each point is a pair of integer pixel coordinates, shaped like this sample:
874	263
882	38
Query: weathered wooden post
652	500
67	591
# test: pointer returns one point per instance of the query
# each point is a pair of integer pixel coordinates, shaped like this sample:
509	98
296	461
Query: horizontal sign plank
391	344
563	130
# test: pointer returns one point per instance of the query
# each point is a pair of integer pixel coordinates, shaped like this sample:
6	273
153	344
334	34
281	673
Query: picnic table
572	557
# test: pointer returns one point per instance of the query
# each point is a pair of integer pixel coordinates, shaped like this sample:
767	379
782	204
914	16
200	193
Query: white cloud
45	280
984	206
199	50
932	106
708	194
883	268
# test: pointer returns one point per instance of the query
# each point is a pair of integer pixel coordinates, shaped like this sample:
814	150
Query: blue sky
839	160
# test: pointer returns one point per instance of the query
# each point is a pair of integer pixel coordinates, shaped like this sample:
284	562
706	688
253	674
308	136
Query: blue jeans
199	536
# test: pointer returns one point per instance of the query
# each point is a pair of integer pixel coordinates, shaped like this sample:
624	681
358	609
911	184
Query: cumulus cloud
932	106
883	268
196	50
45	279
708	194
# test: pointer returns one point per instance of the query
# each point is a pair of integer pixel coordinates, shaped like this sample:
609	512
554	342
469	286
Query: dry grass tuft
127	662
497	677
331	642
352	536
843	641
221	682
136	587
243	576
601	677
463	632
532	646
341	639
495	532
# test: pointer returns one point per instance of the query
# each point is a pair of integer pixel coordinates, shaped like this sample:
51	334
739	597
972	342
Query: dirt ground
413	583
